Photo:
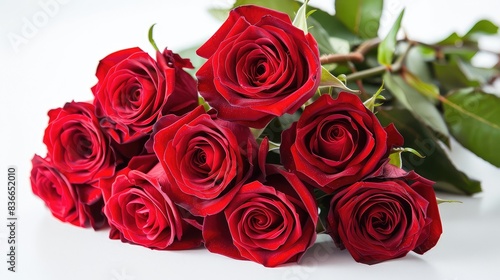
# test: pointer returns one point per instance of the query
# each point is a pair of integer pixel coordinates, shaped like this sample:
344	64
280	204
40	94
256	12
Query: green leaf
273	146
453	39
321	36
436	165
387	47
452	75
334	27
417	62
360	16
339	45
481	75
421	106
407	150
300	20
329	80
289	7
395	159
474	120
395	155
427	89
150	37
482	27
201	101
371	102
257	132
277	125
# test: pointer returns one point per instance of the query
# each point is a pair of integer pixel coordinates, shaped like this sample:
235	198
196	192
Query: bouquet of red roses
253	158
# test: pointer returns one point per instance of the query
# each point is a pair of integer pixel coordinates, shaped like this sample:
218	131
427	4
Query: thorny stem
336	58
367	73
395	67
356	56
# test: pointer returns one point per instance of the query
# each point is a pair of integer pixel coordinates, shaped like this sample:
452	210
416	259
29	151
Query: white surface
56	63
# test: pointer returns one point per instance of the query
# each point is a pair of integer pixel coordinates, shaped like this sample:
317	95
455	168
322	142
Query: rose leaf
474	120
436	165
362	17
387	47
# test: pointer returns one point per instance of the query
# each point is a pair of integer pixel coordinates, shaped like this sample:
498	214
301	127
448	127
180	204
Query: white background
55	62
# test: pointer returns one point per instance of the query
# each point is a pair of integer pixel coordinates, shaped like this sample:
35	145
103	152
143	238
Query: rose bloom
259	66
140	212
271	223
76	145
206	160
133	91
337	142
385	219
80	205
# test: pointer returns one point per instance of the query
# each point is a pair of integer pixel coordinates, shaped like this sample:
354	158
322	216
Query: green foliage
452	75
436	165
395	156
289	7
372	102
421	107
334	27
360	16
474	120
387	47
329	80
482	27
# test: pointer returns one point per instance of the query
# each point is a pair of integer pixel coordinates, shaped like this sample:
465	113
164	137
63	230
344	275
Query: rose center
334	141
135	95
380	222
80	147
335	133
200	160
85	147
261	69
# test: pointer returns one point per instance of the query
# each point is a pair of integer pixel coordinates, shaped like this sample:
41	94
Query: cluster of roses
147	160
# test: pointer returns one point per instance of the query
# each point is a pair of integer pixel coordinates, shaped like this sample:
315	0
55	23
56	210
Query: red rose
80	205
271	223
259	66
139	211
134	91
337	142
76	145
385	219
206	160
